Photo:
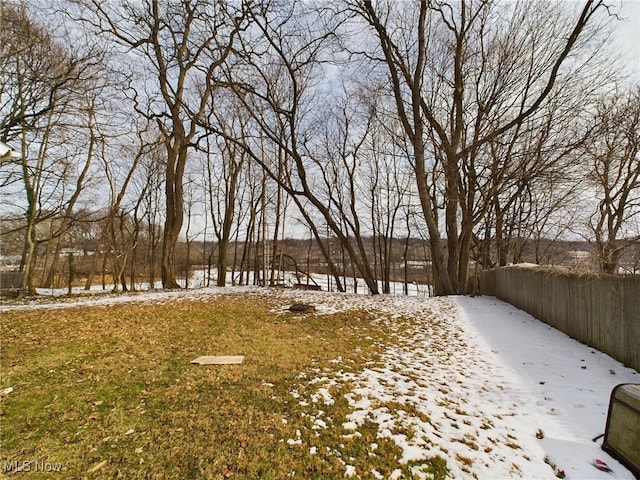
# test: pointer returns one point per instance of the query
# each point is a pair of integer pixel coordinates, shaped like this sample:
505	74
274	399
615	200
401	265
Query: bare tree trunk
72	273
187	274
406	261
234	267
257	264
105	256
32	184
276	226
29	256
176	158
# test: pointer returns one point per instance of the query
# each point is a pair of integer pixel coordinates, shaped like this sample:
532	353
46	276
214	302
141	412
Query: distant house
416	264
581	259
70	250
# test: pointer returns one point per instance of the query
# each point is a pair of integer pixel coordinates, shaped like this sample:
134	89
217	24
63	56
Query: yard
369	387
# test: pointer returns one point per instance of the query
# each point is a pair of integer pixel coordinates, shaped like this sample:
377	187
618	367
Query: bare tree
146	192
463	78
524	177
280	95
39	71
87	109
339	159
224	166
193	197
120	157
182	45
387	178
152	206
42	77
613	153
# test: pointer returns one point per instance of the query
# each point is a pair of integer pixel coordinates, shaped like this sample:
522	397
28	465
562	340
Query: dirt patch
302	308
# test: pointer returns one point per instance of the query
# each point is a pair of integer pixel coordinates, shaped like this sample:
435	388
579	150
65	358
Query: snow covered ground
488	387
198	279
499	394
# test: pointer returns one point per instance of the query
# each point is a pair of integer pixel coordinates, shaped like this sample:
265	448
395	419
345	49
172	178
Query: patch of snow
350	425
376	474
319	423
396	474
323	394
350	471
484	378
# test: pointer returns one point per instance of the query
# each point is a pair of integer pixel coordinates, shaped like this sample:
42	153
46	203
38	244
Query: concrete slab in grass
223	360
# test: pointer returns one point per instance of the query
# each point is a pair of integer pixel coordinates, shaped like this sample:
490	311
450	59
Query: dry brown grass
109	392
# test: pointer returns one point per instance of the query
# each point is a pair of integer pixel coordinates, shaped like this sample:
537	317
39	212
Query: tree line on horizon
477	126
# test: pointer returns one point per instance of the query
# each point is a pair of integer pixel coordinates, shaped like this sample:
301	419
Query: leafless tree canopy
455	136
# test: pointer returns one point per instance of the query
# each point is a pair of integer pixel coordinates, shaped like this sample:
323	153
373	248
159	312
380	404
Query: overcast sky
628	33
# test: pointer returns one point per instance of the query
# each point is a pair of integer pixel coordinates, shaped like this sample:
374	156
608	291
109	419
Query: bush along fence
600	311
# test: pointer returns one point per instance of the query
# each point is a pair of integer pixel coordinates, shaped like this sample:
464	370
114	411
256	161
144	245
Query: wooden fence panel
600	311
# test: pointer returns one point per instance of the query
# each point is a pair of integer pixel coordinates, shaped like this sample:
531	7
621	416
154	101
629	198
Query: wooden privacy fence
600	311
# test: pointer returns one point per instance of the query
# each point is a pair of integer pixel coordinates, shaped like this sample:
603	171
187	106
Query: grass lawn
109	392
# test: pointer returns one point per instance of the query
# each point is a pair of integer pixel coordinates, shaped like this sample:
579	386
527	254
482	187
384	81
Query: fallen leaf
97	466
